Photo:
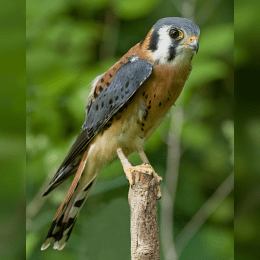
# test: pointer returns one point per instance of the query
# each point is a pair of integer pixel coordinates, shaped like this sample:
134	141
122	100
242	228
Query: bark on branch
144	219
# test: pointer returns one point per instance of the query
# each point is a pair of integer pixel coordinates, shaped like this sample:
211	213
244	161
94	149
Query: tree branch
144	220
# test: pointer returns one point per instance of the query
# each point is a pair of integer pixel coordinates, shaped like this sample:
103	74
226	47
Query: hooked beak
194	45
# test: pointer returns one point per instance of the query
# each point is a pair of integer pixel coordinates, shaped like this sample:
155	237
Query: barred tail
63	224
68	211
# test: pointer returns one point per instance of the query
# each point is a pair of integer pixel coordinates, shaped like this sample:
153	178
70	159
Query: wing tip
52	186
45	193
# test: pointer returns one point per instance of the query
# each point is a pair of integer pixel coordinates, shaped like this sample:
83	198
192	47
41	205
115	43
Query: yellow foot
144	168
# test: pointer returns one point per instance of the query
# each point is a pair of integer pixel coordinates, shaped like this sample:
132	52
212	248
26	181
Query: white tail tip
46	244
59	245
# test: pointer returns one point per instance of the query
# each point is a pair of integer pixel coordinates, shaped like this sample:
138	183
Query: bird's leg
144	157
129	168
147	164
148	168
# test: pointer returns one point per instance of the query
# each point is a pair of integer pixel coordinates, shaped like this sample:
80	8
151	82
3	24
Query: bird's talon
129	175
159	193
160	181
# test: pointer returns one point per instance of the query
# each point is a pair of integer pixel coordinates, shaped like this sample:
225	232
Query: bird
125	106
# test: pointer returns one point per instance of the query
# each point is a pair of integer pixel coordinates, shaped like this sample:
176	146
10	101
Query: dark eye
174	33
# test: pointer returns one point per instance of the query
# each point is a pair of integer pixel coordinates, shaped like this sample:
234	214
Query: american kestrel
126	104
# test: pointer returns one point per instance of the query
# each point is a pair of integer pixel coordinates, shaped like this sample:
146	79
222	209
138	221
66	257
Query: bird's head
172	40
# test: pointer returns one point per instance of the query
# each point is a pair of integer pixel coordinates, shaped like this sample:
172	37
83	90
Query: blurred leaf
217	159
110	224
96	4
207	70
133	9
224	213
228	130
112	170
109	185
39	10
217	39
196	135
223	245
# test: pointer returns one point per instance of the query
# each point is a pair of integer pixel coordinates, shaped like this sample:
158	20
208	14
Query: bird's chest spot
159	93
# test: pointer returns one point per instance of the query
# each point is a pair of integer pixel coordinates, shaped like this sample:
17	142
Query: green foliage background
247	55
69	43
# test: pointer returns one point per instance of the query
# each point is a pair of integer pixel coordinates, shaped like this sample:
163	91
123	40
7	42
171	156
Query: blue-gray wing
125	83
127	80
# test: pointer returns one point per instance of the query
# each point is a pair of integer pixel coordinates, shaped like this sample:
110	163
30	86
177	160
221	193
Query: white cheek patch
162	54
164	42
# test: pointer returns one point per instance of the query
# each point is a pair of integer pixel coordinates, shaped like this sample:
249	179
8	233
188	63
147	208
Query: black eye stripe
153	45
